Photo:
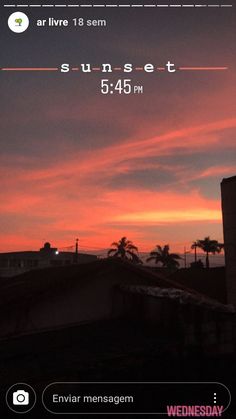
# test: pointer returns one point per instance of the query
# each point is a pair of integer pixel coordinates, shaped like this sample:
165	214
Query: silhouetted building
15	263
228	191
111	289
210	282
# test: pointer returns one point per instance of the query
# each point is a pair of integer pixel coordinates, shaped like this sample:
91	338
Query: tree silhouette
124	249
163	256
209	246
194	246
197	265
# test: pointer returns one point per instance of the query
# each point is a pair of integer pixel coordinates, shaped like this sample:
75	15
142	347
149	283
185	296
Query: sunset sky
75	163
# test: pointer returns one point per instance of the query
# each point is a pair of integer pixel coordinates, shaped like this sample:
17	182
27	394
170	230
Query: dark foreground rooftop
210	282
106	351
44	283
101	351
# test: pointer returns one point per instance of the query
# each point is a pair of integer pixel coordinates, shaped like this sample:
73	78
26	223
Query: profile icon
18	22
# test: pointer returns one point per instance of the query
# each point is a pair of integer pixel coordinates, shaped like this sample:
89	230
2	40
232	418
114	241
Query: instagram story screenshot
117	208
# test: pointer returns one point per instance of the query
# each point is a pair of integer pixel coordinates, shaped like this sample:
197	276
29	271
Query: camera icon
20	397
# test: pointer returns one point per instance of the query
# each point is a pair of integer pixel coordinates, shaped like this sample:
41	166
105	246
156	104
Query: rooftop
209	282
229	179
42	285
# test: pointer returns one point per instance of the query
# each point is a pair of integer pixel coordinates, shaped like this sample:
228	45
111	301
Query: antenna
76	250
76	246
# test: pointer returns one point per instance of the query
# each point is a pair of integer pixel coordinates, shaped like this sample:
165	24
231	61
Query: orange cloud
75	195
108	159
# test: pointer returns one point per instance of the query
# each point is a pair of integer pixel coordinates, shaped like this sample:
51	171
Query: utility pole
195	251
76	250
185	257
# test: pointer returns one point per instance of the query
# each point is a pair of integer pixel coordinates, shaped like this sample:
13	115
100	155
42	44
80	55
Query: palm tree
124	249
194	246
162	255
209	246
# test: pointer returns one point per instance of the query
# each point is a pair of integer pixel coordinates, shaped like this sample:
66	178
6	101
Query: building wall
16	263
185	325
228	191
85	304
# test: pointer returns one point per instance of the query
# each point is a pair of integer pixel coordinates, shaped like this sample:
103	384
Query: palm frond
111	251
155	254
132	247
175	256
150	258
